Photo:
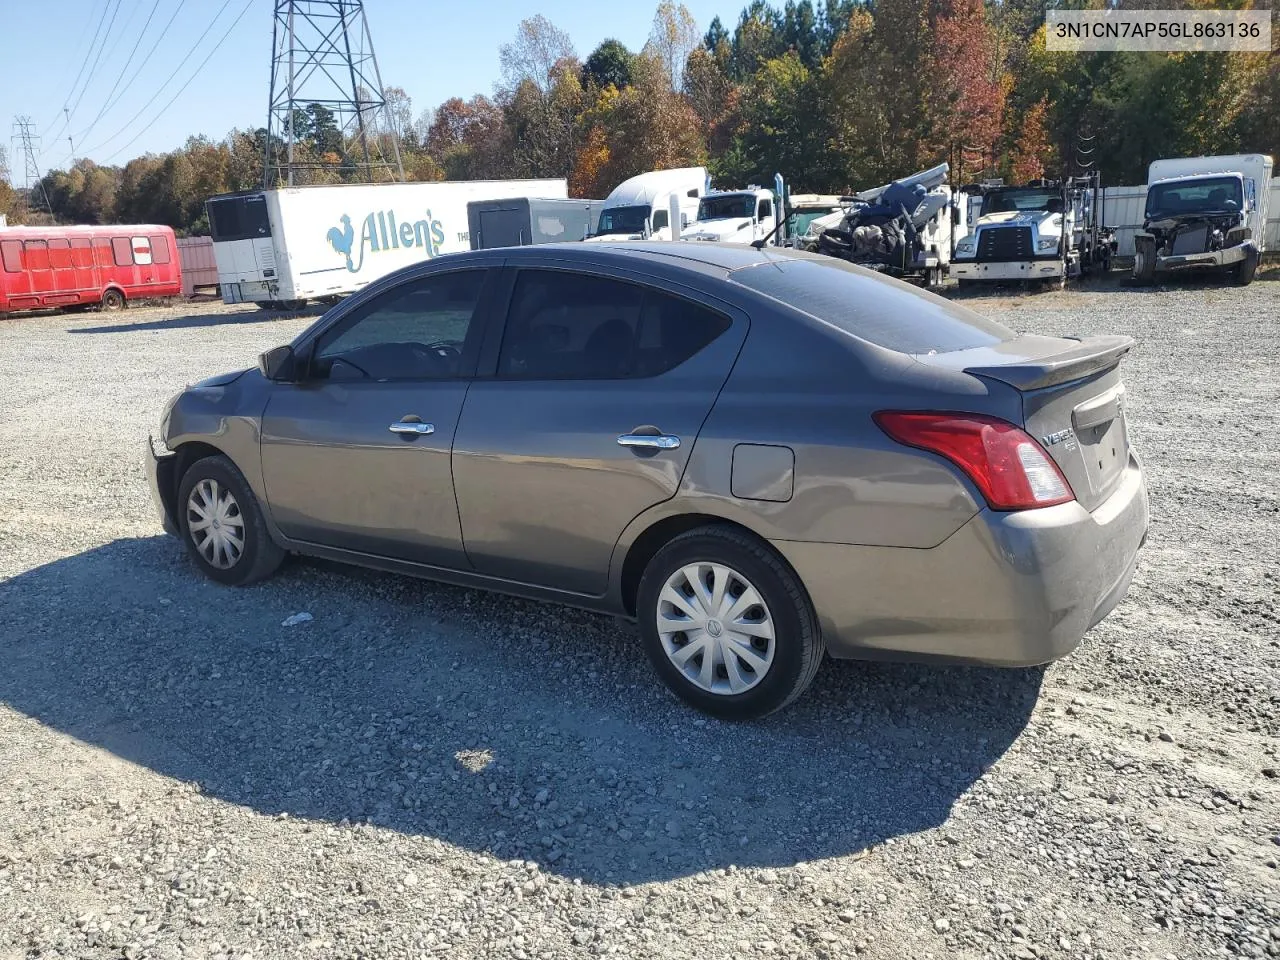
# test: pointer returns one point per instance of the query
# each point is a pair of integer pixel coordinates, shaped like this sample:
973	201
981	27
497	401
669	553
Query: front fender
227	416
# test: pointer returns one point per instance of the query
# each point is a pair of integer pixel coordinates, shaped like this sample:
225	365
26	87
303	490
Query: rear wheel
113	300
222	526
727	624
1243	272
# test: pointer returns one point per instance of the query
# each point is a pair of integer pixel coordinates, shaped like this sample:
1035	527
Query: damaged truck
1204	212
905	228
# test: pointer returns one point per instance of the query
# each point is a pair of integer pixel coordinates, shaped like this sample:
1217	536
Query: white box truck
1204	212
283	247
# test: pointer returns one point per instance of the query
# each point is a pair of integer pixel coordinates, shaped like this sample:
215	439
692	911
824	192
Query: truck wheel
1243	273
112	300
1144	263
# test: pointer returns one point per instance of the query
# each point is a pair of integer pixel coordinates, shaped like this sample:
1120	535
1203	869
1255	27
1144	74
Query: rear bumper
160	478
1007	589
1016	270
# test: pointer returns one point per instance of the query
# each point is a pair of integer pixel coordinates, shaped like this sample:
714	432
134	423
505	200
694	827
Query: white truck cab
736	216
1018	235
640	207
1204	212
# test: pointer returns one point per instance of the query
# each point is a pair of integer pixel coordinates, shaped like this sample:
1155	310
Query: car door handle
645	441
415	427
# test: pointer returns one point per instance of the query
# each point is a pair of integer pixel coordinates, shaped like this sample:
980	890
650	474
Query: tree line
836	95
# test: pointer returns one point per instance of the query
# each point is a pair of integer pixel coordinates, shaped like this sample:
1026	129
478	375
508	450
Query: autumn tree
673	35
1032	152
539	45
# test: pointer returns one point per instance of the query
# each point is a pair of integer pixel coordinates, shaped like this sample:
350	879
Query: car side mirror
278	363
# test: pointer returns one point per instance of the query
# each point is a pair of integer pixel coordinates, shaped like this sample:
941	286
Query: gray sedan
760	456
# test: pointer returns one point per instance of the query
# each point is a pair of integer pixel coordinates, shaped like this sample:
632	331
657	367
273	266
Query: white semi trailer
284	247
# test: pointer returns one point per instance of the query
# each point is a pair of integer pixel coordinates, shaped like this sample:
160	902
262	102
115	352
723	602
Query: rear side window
159	249
567	326
11	255
871	307
122	249
37	255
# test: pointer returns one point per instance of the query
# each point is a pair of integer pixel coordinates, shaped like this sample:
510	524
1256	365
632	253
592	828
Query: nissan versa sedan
760	456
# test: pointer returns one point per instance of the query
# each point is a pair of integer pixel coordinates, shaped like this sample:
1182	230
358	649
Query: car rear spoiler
1092	355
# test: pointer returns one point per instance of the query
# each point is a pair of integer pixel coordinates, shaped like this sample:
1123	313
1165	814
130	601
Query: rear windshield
872	307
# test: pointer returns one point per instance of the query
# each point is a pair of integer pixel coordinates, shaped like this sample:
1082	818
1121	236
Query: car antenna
760	244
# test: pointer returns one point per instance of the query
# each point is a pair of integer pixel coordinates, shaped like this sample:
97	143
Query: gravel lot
427	771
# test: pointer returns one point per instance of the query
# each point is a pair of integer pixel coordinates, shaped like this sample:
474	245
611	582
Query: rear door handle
645	441
415	427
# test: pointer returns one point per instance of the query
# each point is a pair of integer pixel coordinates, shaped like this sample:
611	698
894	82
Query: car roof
699	256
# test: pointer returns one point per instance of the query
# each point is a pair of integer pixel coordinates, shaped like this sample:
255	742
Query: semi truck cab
736	216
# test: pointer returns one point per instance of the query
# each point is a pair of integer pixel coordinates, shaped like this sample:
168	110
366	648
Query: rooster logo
341	240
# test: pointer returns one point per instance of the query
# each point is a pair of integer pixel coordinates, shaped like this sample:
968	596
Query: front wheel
727	624
1243	272
1144	263
222	526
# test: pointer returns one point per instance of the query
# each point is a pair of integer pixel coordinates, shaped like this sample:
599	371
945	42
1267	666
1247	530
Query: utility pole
29	143
325	77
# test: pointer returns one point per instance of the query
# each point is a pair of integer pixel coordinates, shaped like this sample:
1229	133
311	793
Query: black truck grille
1005	243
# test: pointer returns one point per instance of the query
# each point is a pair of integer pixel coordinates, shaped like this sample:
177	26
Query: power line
107	102
169	102
96	60
160	88
145	60
66	109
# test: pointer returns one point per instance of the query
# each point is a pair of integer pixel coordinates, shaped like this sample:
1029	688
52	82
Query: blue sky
433	50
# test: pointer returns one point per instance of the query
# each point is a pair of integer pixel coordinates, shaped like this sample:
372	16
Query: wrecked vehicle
905	228
1204	212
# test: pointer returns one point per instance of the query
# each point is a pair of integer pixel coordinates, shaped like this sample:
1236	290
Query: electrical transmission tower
29	144
326	97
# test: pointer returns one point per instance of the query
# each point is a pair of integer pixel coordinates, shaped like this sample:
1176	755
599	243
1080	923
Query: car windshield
872	308
1011	201
720	208
1195	196
623	220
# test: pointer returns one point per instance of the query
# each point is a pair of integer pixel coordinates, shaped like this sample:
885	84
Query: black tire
292	305
1243	273
1144	263
798	647
260	556
112	301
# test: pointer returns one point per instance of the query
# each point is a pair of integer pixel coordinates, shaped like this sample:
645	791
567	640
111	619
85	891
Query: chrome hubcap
215	524
715	627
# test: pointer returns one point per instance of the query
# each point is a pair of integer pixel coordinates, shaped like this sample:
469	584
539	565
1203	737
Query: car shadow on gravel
502	726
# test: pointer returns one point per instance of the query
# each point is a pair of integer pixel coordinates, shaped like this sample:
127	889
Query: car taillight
1011	469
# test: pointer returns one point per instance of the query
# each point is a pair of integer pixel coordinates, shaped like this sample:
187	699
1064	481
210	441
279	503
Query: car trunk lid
1072	402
